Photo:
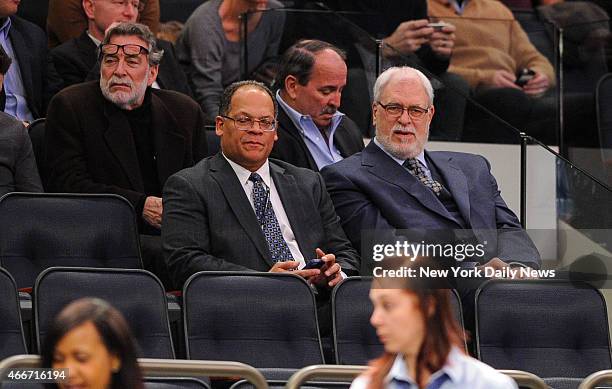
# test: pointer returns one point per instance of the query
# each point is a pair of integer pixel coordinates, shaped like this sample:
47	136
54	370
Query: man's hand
332	272
503	79
152	211
442	42
291	266
408	37
537	86
497	264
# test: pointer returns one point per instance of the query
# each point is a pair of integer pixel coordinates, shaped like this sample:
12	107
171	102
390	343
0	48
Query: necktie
414	167
268	221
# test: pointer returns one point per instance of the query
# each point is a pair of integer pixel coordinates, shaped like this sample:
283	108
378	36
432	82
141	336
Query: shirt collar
6	27
452	368
244	174
420	157
95	40
296	117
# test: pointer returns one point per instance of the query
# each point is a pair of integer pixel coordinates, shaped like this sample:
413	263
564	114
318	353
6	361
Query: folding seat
137	294
550	328
83	230
12	341
267	320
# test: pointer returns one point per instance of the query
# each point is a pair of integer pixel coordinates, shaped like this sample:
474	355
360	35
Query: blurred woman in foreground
92	340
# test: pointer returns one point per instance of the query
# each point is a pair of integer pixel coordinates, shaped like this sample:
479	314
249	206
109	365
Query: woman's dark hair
442	331
114	332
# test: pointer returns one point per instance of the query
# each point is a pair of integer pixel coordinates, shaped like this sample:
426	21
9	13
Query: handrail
595	379
324	371
164	367
527	379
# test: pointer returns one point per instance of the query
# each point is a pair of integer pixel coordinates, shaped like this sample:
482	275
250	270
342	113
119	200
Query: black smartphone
438	26
523	77
314	264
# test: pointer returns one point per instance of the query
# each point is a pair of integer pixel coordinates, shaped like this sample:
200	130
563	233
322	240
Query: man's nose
335	99
404	118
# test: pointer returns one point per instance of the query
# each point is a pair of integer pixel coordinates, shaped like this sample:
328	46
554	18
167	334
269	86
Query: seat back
355	340
12	341
137	294
174	383
267	320
546	327
84	230
36	131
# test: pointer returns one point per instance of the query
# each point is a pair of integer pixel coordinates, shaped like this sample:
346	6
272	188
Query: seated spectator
24	82
92	340
18	172
239	211
422	341
66	19
403	27
75	60
120	136
395	184
210	46
491	49
312	133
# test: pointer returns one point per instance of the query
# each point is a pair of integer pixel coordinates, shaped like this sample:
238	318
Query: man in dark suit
121	136
240	211
75	60
312	133
25	83
395	184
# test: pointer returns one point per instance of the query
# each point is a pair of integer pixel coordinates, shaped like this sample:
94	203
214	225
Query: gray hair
406	71
228	93
141	31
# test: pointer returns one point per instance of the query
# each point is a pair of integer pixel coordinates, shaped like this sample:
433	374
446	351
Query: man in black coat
119	135
312	133
75	60
24	83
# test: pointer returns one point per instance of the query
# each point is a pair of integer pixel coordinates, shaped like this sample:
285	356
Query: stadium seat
174	383
137	294
355	340
12	341
546	327
84	230
267	320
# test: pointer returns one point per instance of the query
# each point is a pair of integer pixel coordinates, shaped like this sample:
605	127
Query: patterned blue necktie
267	220
414	167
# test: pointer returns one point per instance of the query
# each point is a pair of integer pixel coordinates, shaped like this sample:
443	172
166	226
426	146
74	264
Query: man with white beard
395	184
121	136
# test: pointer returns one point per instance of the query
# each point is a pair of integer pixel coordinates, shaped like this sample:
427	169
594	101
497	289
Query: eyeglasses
245	123
397	110
138	5
131	49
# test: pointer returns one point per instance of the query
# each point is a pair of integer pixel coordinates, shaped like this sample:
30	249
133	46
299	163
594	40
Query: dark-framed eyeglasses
396	110
246	123
136	4
129	49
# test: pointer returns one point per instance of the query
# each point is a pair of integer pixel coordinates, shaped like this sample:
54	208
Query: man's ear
219	126
291	84
153	70
89	7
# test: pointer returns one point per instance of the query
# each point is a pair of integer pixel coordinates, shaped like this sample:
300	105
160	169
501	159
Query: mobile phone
523	76
314	264
437	26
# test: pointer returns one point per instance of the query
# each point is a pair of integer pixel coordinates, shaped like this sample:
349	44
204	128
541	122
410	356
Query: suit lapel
169	143
455	181
382	166
285	122
341	139
289	194
222	173
87	50
22	52
119	139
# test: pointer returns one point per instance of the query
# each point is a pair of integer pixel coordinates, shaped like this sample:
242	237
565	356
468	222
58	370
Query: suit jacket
18	172
90	147
30	46
209	223
372	191
290	146
75	61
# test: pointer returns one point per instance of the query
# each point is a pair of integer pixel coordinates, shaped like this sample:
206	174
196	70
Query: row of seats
549	328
